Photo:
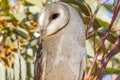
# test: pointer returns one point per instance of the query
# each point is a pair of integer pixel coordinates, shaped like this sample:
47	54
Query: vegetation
19	36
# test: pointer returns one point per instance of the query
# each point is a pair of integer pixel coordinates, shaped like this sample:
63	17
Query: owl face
53	18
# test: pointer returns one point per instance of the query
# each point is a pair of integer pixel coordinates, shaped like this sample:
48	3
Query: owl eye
54	16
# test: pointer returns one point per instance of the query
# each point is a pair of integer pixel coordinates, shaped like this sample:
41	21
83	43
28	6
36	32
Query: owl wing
83	68
39	64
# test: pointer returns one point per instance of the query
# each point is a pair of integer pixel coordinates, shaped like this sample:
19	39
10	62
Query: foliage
18	40
19	36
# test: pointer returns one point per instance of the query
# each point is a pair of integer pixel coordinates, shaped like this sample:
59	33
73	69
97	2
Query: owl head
53	18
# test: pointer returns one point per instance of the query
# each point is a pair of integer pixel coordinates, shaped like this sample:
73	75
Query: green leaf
89	49
2	72
36	3
19	16
19	67
8	42
4	4
23	68
30	52
109	7
34	9
115	71
92	4
116	25
30	71
30	17
102	23
16	67
117	56
34	42
9	72
82	8
111	37
21	32
101	14
36	34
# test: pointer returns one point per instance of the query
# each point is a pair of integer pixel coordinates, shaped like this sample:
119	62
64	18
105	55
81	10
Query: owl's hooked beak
43	32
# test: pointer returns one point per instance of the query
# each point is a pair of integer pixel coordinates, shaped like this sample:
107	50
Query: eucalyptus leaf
81	7
4	4
33	42
9	72
19	67
36	3
89	49
16	67
102	13
117	56
108	70
111	37
23	68
109	7
21	32
102	23
19	16
8	42
30	17
2	72
30	52
36	34
34	9
30	70
92	4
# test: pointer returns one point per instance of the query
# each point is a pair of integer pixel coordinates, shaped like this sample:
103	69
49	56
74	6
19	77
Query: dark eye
54	16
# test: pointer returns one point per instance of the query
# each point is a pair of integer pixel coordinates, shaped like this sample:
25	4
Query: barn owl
62	53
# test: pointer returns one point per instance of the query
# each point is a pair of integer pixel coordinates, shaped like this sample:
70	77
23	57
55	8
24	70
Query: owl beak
43	32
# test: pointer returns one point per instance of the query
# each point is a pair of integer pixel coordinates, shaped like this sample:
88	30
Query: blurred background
19	34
